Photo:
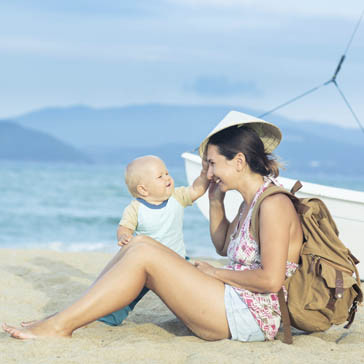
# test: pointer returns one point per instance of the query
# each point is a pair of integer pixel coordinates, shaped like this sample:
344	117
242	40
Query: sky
244	53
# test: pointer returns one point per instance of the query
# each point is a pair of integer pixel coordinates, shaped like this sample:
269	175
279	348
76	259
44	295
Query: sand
36	283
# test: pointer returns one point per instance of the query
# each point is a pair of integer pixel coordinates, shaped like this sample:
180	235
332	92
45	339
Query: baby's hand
124	239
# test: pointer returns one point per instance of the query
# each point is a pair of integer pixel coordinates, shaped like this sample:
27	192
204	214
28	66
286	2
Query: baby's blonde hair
135	173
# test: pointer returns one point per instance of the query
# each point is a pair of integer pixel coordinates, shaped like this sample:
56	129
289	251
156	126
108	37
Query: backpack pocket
333	293
317	295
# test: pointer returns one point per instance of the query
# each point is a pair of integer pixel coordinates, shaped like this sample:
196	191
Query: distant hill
153	124
118	134
170	153
23	144
129	126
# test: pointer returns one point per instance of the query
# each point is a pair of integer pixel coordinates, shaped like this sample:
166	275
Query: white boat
346	206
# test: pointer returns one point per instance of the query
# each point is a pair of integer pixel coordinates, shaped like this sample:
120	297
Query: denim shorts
242	324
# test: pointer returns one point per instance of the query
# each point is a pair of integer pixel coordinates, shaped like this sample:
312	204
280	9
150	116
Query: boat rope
331	80
349	106
294	99
354	32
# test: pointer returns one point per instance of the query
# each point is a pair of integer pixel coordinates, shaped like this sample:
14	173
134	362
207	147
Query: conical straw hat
268	133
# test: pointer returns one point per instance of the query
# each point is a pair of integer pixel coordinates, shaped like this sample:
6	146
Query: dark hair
233	140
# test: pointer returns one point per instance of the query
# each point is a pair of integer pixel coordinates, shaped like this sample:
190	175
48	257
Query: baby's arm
124	235
128	223
201	183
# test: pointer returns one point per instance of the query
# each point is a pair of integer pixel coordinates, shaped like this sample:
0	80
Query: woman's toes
17	333
28	323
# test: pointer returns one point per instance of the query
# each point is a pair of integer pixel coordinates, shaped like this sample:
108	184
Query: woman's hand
205	165
205	268
215	193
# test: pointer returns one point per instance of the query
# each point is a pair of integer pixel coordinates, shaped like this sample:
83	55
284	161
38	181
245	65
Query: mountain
118	134
153	124
170	153
23	144
129	126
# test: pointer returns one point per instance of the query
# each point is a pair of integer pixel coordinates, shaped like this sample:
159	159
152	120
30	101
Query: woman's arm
276	217
220	227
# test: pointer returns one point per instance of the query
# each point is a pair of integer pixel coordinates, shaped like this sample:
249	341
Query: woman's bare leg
112	262
196	298
109	265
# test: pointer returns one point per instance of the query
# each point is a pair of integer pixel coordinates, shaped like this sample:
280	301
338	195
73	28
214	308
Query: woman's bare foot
28	323
42	328
33	322
22	334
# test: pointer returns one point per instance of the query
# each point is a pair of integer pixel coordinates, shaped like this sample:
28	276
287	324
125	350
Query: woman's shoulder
277	203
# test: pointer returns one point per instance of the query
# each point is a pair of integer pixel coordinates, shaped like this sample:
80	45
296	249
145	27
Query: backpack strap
297	186
255	232
285	318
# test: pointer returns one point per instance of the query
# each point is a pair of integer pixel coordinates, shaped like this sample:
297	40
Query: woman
238	301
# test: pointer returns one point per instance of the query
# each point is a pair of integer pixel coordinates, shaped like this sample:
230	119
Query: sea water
77	207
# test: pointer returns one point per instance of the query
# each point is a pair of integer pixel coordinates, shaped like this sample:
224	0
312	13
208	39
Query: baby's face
159	184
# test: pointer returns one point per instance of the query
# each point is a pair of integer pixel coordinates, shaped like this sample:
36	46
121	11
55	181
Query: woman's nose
210	174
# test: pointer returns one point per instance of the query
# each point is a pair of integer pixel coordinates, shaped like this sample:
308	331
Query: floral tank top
243	253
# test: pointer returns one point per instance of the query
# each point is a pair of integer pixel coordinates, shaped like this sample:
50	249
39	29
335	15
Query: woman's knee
141	245
141	239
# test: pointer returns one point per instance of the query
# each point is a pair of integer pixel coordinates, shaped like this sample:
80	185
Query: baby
156	211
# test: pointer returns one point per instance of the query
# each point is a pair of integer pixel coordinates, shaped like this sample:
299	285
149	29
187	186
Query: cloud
222	86
81	50
126	8
308	8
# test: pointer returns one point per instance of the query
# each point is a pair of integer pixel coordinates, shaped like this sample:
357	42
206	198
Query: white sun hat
268	133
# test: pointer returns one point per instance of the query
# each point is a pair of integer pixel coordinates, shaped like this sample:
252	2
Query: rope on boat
331	80
293	100
354	32
349	106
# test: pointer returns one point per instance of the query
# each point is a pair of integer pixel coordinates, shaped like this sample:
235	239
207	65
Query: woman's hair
244	139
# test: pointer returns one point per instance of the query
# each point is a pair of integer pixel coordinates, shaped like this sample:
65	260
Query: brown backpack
323	291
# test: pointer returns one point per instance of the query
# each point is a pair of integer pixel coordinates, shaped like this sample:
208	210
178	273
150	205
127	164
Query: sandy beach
37	283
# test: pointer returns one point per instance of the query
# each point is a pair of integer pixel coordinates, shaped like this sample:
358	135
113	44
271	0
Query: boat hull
346	206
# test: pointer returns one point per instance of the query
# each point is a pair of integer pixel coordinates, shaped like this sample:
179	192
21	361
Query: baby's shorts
242	324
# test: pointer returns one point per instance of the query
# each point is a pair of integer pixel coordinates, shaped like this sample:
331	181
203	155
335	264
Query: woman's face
220	170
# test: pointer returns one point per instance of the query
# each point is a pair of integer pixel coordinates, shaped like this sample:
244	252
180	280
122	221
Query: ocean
77	207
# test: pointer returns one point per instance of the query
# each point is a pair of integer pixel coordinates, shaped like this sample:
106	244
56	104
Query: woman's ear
142	191
240	162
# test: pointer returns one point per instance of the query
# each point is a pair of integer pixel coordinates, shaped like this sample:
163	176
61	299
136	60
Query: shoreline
35	283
